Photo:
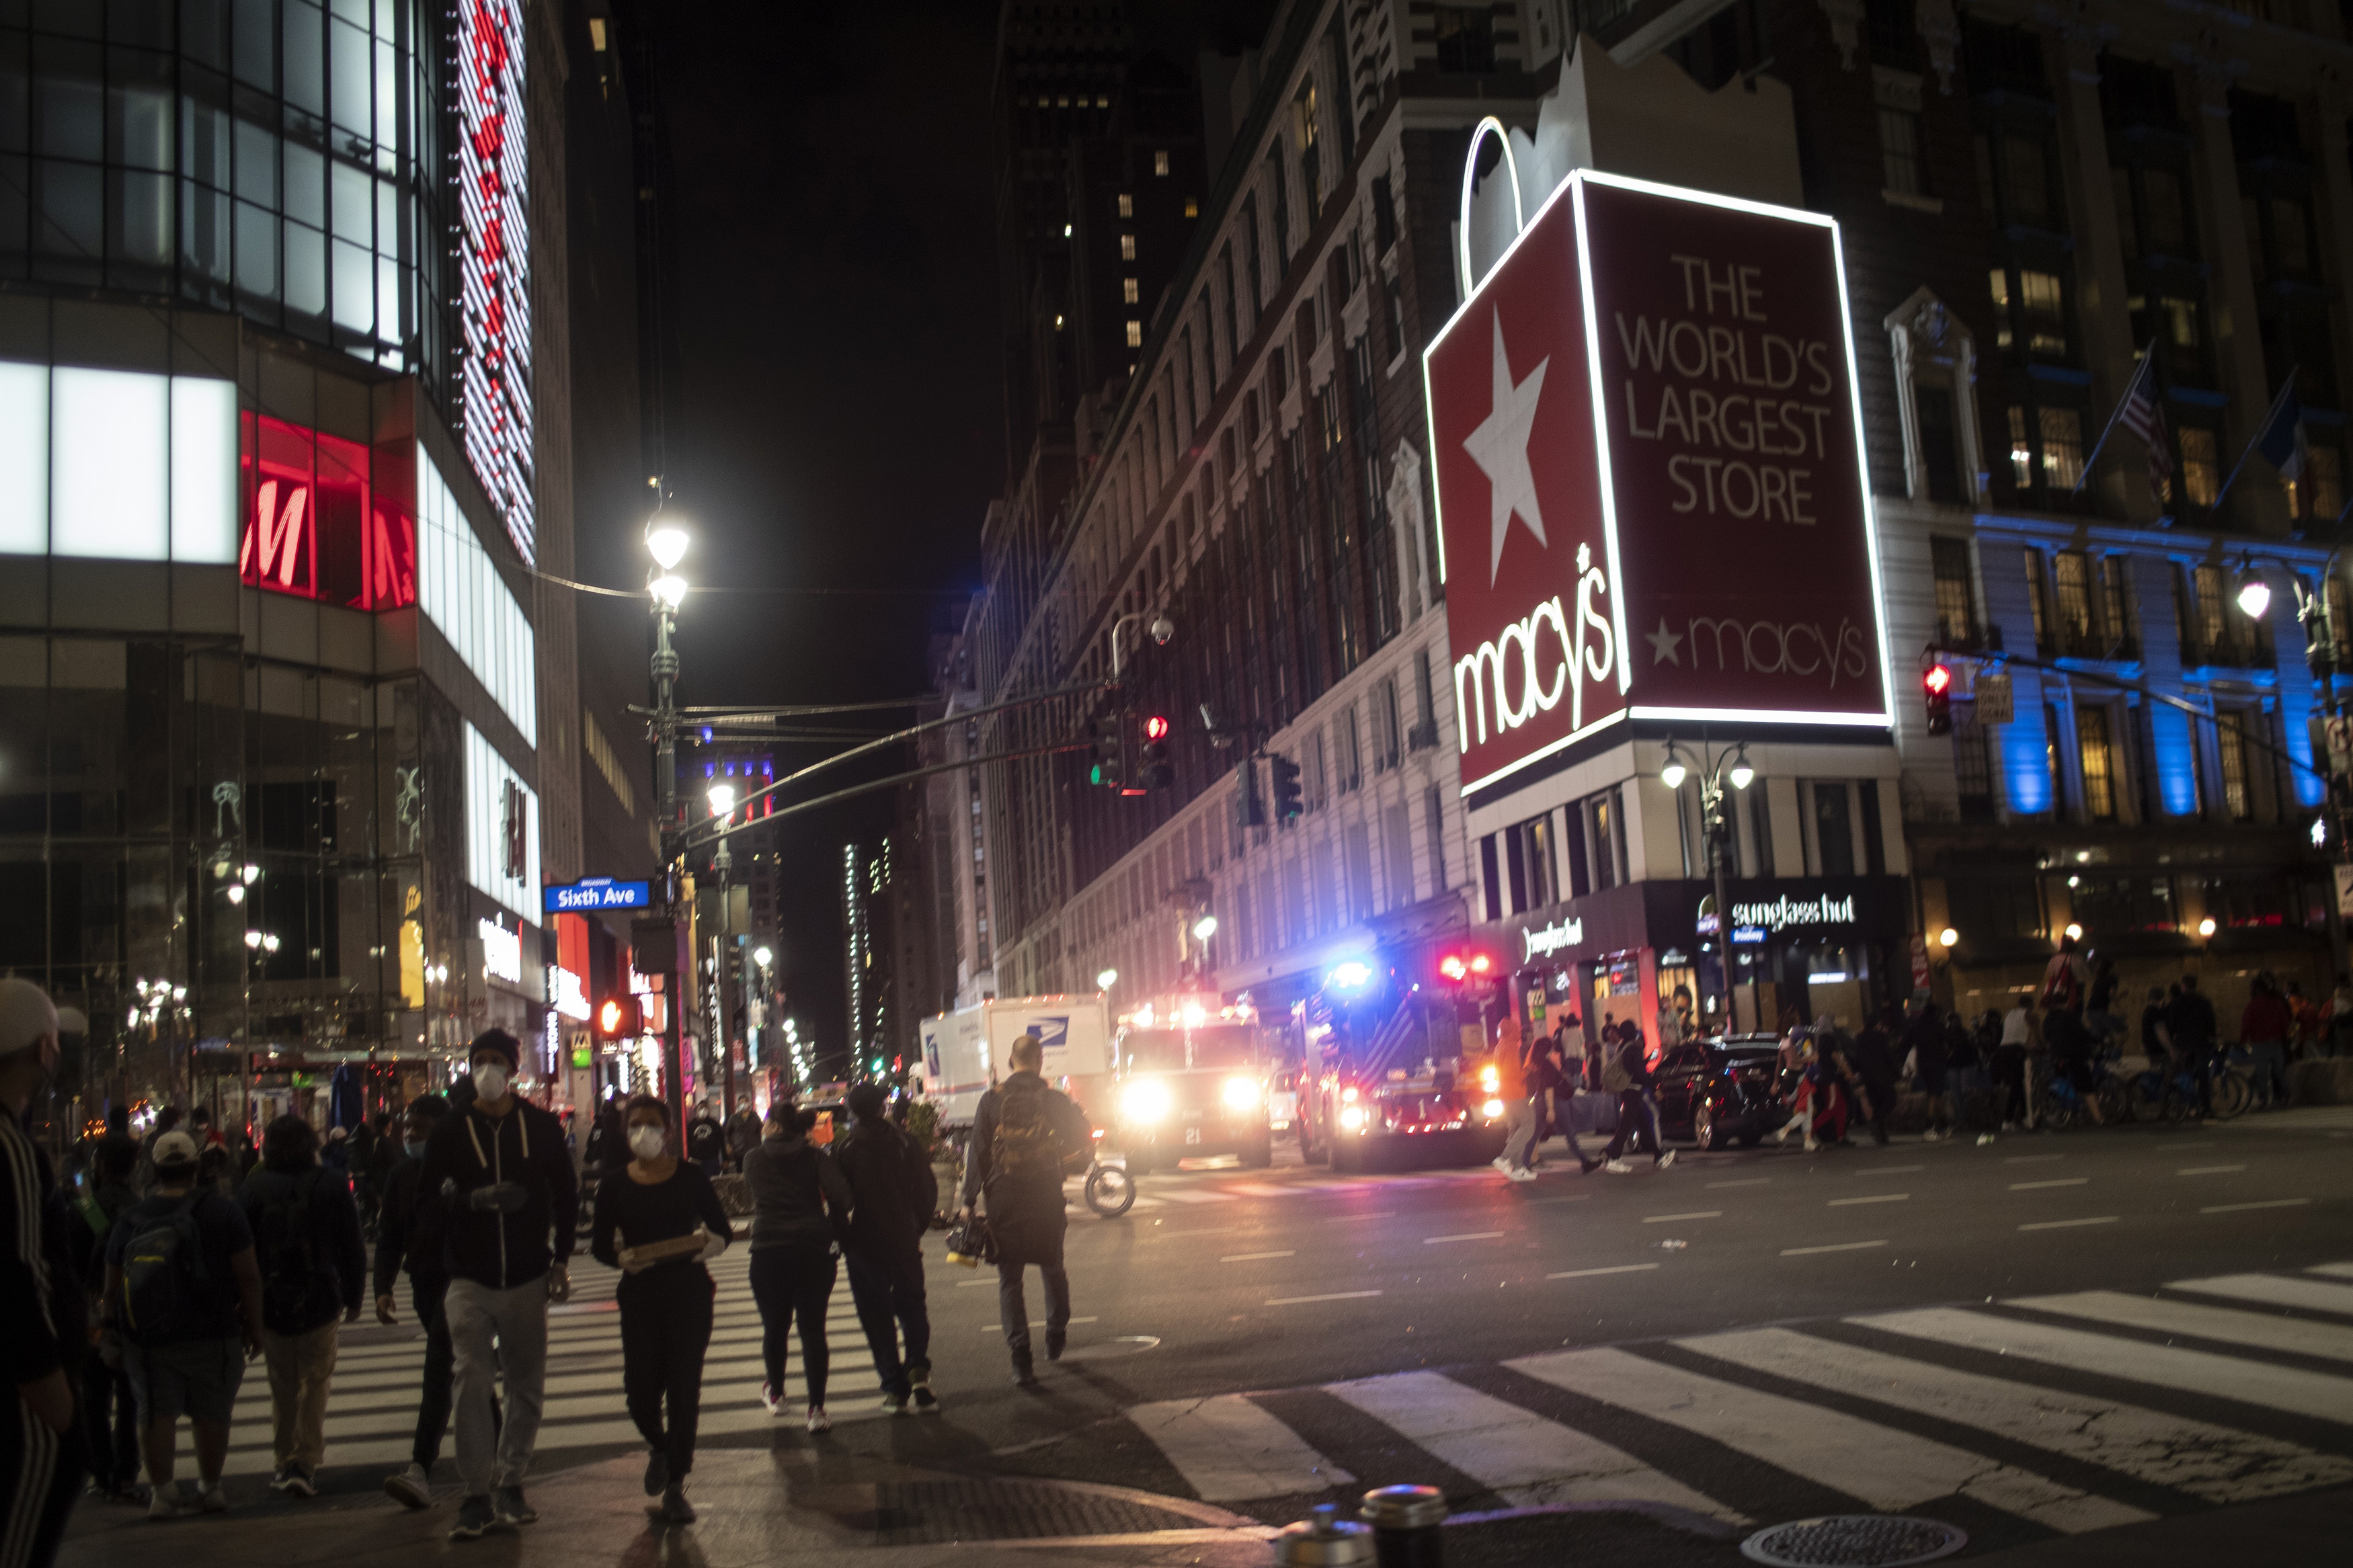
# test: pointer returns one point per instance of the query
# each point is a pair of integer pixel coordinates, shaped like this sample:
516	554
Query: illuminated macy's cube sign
1649	477
320	522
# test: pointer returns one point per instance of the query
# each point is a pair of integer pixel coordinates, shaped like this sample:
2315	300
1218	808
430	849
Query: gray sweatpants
492	1331
1520	1132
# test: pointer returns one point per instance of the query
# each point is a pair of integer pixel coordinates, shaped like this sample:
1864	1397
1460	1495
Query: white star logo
1664	644
1499	447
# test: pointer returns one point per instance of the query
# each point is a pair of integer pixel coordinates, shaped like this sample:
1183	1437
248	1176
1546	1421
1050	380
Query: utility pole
668	546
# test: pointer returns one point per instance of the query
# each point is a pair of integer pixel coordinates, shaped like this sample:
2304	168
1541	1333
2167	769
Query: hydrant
1405	1521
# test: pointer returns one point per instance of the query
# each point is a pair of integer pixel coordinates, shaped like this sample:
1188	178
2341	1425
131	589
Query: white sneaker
1664	1160
1984	1139
1812	1147
410	1487
212	1500
1930	1136
1521	1175
771	1399
1617	1167
1501	1163
164	1503
818	1421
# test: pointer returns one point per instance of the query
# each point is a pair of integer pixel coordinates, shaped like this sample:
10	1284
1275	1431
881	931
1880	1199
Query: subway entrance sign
598	893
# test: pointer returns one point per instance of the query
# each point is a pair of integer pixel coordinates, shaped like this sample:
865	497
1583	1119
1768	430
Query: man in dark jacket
2189	1020
1025	1139
110	1407
892	1194
1872	1057
499	1193
40	1469
306	1240
397	1251
1638	1114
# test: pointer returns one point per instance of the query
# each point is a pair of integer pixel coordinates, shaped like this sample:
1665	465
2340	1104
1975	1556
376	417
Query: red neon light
316	526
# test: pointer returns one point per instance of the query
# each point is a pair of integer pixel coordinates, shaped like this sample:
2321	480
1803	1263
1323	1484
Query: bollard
1405	1521
1323	1540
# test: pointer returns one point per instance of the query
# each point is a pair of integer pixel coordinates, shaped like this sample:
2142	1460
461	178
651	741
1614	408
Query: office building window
1128	293
2029	307
1128	248
2097	758
1134	334
1127	205
1956	607
1465	35
1899	152
1351	753
2038	596
2231	744
1160	162
1433	805
1833	827
2202	470
1539	879
2072	577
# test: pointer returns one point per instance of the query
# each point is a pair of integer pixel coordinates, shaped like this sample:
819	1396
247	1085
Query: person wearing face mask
656	1222
397	1252
499	1200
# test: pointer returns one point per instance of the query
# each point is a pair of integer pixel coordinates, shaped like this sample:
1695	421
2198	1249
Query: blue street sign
598	893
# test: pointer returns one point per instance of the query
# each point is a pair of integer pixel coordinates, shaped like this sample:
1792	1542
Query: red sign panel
314	525
494	259
1651	484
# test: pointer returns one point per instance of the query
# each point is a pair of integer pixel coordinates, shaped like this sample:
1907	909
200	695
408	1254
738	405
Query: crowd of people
142	1296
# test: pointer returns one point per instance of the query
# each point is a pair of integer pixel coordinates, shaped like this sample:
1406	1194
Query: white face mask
646	1142
490	1080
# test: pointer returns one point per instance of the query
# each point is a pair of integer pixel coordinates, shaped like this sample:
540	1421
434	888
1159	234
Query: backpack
2062	992
298	1290
164	1279
1615	1079
1029	1146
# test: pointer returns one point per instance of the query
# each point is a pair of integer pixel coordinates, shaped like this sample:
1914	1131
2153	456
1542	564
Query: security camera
1162	628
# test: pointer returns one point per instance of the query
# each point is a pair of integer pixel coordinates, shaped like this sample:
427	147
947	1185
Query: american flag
2144	415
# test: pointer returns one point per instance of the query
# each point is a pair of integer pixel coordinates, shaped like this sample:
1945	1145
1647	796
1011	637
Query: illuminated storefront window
314	523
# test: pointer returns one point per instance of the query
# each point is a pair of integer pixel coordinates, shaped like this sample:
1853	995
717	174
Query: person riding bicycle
2190	1024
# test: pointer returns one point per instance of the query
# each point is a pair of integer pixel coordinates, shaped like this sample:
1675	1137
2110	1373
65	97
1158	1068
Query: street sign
598	893
1994	704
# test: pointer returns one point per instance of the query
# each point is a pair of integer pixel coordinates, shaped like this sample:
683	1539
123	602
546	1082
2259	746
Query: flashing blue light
711	770
1349	977
706	733
2026	757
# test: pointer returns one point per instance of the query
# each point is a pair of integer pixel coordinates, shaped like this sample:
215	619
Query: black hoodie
498	1240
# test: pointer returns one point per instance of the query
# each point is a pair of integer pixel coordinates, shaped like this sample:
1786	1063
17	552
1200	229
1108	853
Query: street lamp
723	800
1107	979
1731	766
1204	928
667	544
1162	628
2316	615
762	956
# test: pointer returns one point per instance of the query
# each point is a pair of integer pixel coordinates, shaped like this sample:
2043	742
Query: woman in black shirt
656	1221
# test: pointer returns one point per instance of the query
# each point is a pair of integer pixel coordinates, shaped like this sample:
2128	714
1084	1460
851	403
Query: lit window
2063	448
2021	454
1066	231
2046	313
1192	207
1134	334
1127	205
1128	248
2200	470
1160	162
1058	323
1127	290
2099	767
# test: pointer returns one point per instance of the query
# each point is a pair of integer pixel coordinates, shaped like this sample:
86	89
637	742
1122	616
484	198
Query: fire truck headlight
1493	1110
1348	1095
1489	1078
1352	1120
1145	1101
1241	1093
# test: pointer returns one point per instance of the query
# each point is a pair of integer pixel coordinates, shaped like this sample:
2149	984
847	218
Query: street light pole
667	544
2317	618
1731	765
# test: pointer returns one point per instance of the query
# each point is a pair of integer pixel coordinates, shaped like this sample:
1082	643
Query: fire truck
1397	1070
1191	1082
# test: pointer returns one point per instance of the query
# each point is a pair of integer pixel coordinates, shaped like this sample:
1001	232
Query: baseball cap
26	1015
176	1148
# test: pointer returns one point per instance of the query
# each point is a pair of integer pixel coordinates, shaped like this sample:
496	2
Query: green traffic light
1094	774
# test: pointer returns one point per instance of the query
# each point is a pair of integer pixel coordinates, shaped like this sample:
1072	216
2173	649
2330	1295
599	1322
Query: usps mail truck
964	1051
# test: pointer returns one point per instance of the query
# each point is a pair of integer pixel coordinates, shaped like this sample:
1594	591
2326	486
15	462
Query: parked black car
1713	1092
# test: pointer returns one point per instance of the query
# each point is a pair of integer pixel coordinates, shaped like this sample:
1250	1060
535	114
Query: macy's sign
1586	651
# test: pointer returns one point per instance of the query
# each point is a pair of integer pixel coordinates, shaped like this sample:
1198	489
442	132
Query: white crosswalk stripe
1232	1449
2272	1292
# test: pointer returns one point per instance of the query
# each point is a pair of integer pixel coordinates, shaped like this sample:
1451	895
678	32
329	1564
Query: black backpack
298	1287
164	1286
1028	1145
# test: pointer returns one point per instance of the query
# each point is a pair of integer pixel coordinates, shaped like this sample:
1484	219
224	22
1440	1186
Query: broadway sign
1649	477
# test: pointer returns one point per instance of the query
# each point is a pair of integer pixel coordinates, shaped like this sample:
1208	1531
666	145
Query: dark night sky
835	429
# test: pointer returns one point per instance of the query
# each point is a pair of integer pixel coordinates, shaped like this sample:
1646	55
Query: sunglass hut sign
1650	486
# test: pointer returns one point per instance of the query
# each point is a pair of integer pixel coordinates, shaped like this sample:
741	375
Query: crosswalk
2070	1413
372	1409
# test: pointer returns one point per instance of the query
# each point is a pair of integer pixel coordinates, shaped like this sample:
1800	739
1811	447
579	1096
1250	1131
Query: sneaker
675	1508
771	1399
895	1405
921	1399
212	1500
1521	1175
294	1481
512	1509
1586	1167
410	1487
818	1421
1984	1139
656	1472
1617	1167
475	1515
166	1503
1025	1371
1501	1163
1812	1147
1663	1161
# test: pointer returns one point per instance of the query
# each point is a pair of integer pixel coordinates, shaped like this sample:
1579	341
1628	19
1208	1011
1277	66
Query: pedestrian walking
499	1193
800	1210
658	1220
893	1194
109	1409
2189	1023
1965	1071
706	1142
2336	1019
1924	1043
2012	1087
306	1240
41	1301
183	1289
1820	1100
1556	1095
1873	1058
402	1246
1025	1139
1512	1087
2100	1014
1628	1076
2264	1026
743	1134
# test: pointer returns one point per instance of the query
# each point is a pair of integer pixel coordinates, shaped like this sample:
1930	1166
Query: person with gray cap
499	1193
40	1466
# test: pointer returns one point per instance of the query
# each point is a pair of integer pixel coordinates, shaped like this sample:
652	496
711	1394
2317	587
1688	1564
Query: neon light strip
1601	434
1764	716
1470	167
1508	769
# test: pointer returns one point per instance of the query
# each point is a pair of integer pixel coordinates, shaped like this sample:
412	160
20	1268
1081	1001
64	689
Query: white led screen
461	591
116	465
490	787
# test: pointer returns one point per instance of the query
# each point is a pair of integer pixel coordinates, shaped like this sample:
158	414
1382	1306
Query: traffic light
1938	682
1110	770
1157	772
620	1018
1284	773
1250	809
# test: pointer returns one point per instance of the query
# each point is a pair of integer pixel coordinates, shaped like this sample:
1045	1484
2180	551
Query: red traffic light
620	1018
1453	968
1938	680
1156	728
1480	964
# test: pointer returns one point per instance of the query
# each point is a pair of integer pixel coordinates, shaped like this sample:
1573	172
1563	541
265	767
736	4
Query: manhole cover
1854	1541
926	1513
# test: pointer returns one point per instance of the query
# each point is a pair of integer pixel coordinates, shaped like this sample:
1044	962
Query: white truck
964	1051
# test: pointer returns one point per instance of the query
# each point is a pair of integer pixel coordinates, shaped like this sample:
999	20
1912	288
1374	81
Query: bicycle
1110	1190
2170	1094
